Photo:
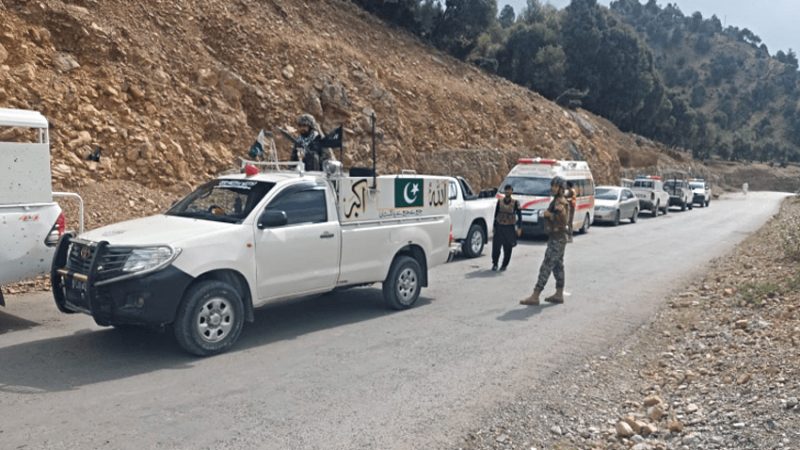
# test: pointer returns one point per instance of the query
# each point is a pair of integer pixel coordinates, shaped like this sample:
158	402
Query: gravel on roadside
717	368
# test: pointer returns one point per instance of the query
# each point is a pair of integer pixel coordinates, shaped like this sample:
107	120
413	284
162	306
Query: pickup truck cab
472	217
242	241
31	222
701	192
651	194
680	193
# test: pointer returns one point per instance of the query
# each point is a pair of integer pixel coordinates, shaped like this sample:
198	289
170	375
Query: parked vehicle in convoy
244	240
472	217
701	192
31	222
531	178
680	193
651	194
612	204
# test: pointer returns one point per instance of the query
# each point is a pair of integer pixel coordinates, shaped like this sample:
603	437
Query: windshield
698	186
222	200
606	194
643	184
528	186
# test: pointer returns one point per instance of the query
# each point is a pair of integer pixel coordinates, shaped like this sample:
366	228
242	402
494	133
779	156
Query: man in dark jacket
308	146
507	220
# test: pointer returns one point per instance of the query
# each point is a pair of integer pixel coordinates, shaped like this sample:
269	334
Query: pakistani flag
408	192
257	149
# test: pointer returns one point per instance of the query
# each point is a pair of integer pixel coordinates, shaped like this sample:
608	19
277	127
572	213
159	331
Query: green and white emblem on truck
409	192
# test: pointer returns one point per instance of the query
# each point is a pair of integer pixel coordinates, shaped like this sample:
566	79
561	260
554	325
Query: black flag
333	139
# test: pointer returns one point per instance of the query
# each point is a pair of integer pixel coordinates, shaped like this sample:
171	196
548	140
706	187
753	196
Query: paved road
340	371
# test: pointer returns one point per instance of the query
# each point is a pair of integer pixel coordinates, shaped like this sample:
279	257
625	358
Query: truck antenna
374	154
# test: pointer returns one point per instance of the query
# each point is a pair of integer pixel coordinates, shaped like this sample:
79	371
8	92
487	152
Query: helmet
307	120
558	181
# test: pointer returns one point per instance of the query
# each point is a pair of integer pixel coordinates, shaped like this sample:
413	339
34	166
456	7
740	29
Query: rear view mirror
272	219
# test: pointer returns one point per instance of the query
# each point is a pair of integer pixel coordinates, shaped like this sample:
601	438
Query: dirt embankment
178	90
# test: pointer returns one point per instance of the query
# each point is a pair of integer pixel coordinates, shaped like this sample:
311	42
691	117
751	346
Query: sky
774	21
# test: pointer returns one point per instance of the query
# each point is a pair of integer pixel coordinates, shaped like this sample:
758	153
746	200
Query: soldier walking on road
507	219
556	217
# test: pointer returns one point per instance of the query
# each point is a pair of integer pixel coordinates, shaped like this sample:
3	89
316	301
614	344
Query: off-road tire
467	249
402	286
202	299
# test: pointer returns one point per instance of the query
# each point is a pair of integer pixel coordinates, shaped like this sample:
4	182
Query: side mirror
271	218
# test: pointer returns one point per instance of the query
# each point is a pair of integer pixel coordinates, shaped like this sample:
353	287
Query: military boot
533	300
557	298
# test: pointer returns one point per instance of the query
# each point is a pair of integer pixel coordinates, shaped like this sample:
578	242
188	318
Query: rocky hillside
179	90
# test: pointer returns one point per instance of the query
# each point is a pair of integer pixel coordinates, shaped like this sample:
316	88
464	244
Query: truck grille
110	261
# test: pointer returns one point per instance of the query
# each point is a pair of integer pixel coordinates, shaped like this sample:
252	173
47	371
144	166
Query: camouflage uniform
557	230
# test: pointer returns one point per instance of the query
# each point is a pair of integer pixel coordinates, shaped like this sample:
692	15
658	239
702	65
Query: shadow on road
523	312
10	322
94	356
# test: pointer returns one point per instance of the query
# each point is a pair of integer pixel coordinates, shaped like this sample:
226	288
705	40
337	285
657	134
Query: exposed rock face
141	82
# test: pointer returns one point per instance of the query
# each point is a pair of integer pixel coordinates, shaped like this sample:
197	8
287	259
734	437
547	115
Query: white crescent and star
414	192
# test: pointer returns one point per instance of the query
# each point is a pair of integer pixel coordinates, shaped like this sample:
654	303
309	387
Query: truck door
301	256
458	213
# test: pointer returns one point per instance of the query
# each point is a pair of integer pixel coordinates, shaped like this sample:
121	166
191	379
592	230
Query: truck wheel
472	247
585	227
635	216
690	205
402	287
616	218
708	202
683	205
656	208
209	319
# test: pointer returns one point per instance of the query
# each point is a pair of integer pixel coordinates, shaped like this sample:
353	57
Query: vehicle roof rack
275	166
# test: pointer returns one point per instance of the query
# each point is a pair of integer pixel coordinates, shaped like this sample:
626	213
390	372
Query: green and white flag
409	192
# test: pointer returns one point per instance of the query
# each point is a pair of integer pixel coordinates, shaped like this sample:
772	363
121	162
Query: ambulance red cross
531	178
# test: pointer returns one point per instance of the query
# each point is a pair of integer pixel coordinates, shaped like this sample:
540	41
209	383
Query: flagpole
341	145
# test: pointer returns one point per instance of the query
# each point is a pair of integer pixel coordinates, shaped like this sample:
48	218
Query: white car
701	191
31	222
472	217
244	240
613	204
651	194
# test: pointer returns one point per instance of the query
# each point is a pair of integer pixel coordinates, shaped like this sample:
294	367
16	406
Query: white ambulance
530	179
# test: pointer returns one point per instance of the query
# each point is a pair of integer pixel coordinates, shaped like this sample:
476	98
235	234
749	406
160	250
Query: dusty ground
717	369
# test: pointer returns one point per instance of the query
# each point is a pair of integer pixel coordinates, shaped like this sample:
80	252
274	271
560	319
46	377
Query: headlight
144	259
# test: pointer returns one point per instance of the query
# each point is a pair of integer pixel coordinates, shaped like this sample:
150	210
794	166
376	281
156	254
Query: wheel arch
484	226
418	253
238	281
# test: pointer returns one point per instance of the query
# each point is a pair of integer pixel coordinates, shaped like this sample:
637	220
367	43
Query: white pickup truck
472	217
651	194
30	221
244	240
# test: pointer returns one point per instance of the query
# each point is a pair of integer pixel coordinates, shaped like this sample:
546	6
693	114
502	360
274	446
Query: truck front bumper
149	300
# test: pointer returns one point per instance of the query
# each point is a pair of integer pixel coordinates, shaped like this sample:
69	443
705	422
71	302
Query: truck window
468	192
222	200
307	206
452	190
643	184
